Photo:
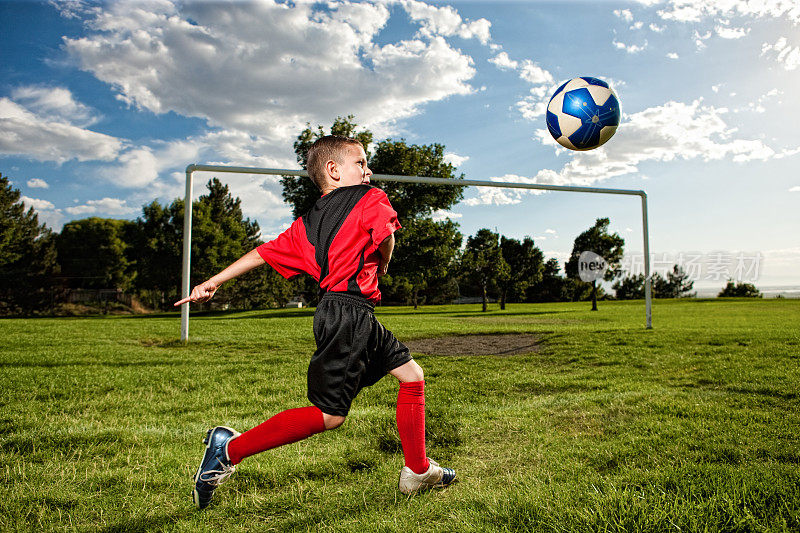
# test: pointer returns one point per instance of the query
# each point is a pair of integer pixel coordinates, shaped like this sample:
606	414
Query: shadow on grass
265	313
536	388
135	523
463	314
98	363
104	444
309	311
239	314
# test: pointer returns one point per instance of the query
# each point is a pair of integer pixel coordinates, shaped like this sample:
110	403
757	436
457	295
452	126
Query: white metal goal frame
187	216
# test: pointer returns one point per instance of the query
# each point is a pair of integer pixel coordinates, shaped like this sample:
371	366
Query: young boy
345	242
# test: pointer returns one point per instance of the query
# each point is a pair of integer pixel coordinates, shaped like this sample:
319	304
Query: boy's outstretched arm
204	291
385	248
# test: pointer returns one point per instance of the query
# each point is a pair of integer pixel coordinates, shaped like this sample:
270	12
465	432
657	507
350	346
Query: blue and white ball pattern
583	113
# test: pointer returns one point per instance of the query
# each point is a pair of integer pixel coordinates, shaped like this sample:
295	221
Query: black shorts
353	351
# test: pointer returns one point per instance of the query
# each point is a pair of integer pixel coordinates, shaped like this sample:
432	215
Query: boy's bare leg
332	421
408	372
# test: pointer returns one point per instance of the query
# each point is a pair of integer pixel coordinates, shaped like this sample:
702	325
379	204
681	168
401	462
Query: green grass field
691	426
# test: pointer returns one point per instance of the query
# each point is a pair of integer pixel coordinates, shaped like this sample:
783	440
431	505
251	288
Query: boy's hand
383	268
385	250
201	293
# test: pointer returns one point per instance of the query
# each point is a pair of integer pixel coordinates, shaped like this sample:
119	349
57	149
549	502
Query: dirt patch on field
508	344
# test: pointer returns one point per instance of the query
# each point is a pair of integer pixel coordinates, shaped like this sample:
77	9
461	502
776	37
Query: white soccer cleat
435	478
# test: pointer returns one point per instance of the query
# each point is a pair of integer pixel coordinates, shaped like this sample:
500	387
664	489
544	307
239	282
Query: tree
158	248
27	255
424	257
482	262
525	262
550	288
679	283
629	287
220	235
610	246
93	253
301	193
739	290
410	200
675	285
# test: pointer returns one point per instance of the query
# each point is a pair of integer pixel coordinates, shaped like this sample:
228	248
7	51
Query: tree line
431	264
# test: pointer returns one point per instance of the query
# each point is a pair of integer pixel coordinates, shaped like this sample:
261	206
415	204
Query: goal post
187	216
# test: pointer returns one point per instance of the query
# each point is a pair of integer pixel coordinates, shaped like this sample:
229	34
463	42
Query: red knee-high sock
286	427
411	425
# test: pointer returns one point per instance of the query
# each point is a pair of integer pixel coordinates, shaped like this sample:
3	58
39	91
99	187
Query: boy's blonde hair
324	149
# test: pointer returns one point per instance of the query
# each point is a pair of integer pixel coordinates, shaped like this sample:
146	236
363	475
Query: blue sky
102	106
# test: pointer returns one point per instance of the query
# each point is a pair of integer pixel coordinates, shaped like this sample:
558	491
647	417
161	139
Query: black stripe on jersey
352	283
325	220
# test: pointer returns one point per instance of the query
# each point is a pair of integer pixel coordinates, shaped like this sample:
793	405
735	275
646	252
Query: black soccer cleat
216	467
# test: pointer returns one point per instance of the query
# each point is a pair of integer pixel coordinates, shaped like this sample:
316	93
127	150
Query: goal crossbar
187	216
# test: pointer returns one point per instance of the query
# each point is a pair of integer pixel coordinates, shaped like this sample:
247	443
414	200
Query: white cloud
682	13
624	14
531	108
758	105
796	188
49	138
534	74
445	21
46	212
696	10
135	168
54	104
106	206
70	8
37	204
700	39
261	195
455	159
783	53
673	131
502	61
533	105
629	48
494	196
442	214
158	170
672	55
656	28
668	132
267	68
731	33
502	196
37	183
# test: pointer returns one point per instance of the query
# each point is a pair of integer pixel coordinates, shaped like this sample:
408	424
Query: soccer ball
583	113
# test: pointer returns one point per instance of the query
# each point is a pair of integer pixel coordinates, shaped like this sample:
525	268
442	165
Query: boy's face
353	170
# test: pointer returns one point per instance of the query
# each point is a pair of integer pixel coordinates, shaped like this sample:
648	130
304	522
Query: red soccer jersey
337	241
